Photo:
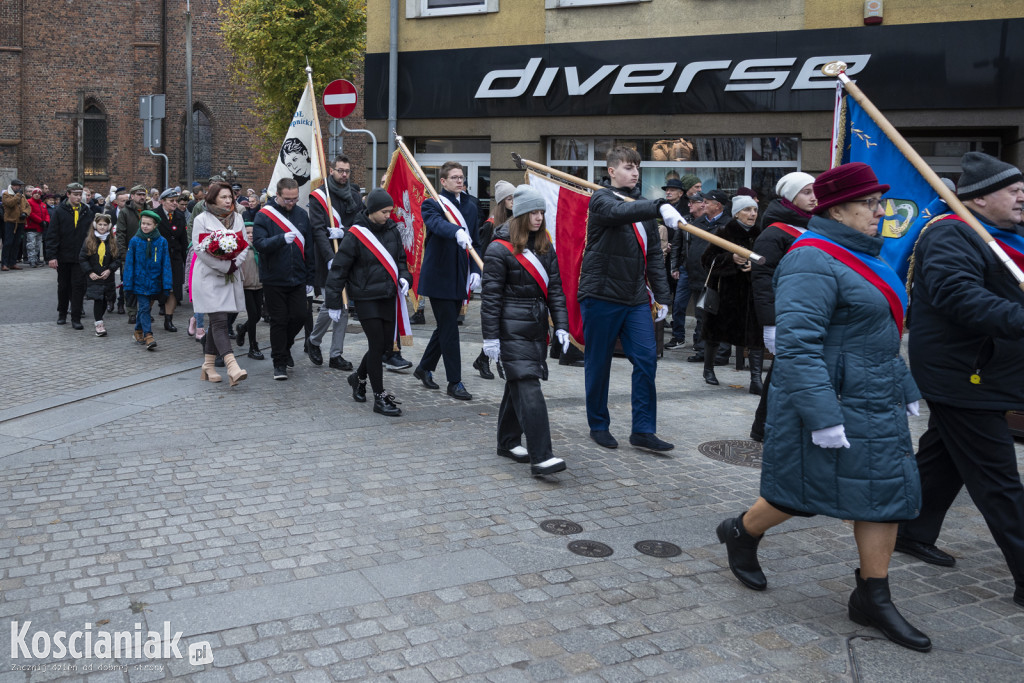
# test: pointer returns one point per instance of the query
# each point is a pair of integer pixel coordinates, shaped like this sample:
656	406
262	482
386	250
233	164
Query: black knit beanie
378	199
984	174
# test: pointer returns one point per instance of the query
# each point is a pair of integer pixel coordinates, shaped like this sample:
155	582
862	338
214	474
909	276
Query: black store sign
959	65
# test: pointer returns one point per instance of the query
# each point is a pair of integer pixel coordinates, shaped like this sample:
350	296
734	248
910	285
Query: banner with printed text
298	157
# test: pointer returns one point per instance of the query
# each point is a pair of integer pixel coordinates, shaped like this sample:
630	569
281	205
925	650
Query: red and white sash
321	196
791	230
369	240
286	225
460	220
529	261
640	232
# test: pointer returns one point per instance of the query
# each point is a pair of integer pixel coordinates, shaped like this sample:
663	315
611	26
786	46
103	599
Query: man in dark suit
448	274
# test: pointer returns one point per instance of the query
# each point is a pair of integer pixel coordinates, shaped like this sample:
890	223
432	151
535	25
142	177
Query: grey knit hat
984	174
526	199
502	190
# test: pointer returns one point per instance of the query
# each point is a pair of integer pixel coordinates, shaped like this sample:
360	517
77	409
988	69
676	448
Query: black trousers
71	281
287	309
445	340
761	414
380	334
253	310
99	307
971	448
523	411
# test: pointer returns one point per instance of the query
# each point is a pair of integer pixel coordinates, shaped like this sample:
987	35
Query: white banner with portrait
298	158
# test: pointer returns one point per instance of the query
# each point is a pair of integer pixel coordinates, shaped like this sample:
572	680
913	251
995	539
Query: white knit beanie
789	185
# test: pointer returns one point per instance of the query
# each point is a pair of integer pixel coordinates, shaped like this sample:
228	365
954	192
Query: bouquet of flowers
224	245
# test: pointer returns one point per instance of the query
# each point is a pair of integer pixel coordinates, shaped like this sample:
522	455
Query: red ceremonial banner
567	210
408	193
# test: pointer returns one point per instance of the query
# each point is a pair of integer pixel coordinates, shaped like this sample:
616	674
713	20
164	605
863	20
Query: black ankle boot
169	323
710	349
358	387
756	361
742	550
384	403
871	605
482	364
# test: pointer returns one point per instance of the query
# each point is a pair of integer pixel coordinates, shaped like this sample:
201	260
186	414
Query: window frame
86	173
569	4
419	9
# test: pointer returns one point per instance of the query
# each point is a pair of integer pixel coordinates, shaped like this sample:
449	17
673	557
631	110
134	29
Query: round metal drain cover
561	527
745	453
590	549
658	548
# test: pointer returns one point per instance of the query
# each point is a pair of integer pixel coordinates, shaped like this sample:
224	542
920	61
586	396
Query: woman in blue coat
837	441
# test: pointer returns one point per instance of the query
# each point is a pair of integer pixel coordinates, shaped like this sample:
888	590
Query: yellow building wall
527	22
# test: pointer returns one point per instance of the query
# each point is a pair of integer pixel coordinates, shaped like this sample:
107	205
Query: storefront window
721	162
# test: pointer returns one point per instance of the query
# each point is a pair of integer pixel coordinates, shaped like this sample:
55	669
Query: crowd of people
834	405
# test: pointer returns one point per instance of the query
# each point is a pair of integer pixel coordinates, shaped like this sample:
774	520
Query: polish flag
567	209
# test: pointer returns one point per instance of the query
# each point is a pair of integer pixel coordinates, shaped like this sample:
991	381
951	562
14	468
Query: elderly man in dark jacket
173	228
345	204
62	244
622	265
448	274
966	346
282	237
715	218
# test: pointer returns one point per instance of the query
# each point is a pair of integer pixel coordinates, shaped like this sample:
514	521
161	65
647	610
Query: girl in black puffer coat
514	314
374	290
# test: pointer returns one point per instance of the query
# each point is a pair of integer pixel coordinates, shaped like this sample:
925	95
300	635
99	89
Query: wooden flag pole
433	193
683	225
838	70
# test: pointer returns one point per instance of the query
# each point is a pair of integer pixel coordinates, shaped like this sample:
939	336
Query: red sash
335	216
530	267
790	230
846	258
368	240
281	222
1016	254
640	232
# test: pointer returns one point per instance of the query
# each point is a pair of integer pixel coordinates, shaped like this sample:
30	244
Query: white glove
403	286
492	348
462	237
309	291
329	264
335	314
563	338
913	409
669	214
769	338
289	237
660	313
336	233
474	280
830	437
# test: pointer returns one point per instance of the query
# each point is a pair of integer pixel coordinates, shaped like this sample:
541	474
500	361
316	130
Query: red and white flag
567	210
408	192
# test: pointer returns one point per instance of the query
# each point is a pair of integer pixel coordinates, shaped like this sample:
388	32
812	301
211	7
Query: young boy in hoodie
147	273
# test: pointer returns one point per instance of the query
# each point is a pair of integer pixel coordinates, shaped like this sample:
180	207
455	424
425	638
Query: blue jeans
603	321
143	319
679	305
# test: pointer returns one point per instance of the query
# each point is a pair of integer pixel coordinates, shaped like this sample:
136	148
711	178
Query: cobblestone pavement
306	538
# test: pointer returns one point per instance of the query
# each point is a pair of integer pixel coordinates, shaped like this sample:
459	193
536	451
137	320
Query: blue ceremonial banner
909	204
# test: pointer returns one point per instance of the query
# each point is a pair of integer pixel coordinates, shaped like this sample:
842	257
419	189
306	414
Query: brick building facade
71	78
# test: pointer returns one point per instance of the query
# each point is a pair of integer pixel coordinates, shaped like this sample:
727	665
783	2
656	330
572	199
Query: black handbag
708	300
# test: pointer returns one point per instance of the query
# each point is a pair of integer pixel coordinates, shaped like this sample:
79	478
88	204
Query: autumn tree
270	41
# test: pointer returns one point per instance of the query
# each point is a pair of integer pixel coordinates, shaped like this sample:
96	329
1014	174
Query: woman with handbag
837	441
734	321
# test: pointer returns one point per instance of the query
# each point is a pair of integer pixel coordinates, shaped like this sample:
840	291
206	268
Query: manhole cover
746	453
590	549
658	548
561	527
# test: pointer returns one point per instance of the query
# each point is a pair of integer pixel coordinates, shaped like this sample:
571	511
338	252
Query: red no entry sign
340	98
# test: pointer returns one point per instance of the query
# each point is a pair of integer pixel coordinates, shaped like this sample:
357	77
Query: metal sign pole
375	180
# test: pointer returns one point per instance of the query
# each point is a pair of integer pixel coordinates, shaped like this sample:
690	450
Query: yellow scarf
102	251
75	226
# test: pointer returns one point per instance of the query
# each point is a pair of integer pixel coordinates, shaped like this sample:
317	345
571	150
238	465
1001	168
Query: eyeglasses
288	200
871	202
457	178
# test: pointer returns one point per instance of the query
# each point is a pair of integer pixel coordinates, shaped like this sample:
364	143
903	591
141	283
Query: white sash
285	224
541	270
402	326
322	197
456	214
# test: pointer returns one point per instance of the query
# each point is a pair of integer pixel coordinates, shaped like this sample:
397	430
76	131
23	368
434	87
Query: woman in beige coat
215	285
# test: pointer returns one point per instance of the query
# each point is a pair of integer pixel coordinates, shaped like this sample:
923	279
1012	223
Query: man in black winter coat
174	228
62	245
284	242
715	218
346	203
966	344
622	265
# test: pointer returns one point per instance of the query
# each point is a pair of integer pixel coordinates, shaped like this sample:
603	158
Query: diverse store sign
957	65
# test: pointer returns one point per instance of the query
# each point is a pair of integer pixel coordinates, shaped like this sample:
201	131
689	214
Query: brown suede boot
208	372
235	373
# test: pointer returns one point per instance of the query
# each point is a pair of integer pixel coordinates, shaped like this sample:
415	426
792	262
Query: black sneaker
291	361
649	442
280	372
62	320
339	363
395	362
418	318
131	318
314	355
673	343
